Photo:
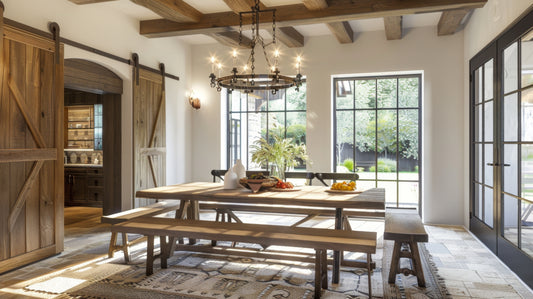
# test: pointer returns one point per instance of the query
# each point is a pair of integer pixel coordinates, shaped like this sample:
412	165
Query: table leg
193	214
336	253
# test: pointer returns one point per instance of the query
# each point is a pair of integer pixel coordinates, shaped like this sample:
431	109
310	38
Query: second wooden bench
315	238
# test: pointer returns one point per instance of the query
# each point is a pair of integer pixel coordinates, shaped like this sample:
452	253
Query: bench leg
395	262
417	264
150	256
112	244
318	272
324	269
163	245
125	247
369	269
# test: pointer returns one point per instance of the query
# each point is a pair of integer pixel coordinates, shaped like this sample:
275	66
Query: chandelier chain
274	27
240	29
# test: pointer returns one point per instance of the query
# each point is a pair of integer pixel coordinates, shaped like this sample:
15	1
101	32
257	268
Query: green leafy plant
384	165
349	164
282	154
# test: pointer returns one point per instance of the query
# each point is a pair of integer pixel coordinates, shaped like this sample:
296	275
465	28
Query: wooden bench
147	211
406	230
315	238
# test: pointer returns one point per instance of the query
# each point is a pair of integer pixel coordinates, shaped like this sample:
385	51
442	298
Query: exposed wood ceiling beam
231	39
287	35
242	5
174	10
298	14
342	31
315	4
450	21
290	37
88	1
393	27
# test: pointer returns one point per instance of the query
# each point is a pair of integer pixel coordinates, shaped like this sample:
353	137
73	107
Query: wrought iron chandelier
248	80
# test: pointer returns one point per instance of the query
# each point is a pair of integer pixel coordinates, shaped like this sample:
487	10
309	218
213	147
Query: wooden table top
313	196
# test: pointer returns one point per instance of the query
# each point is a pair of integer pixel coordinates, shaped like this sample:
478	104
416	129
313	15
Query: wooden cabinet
84	186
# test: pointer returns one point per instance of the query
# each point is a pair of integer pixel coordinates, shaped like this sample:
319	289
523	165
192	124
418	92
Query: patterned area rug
196	275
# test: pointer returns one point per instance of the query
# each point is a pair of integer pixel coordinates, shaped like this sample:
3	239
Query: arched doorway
91	85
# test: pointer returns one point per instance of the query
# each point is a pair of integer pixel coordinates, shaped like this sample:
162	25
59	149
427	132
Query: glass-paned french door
501	189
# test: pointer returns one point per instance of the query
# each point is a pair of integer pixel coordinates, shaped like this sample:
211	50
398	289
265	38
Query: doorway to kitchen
92	136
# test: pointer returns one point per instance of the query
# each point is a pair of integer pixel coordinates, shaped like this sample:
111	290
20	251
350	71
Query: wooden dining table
191	194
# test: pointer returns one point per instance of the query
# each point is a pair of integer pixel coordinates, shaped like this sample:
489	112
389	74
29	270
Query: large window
377	134
263	115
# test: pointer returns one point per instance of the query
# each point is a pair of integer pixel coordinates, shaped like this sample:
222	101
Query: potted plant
280	155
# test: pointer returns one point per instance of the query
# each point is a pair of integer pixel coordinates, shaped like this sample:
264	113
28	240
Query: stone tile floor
469	269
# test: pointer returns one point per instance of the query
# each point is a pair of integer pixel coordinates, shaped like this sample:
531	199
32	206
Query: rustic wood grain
28	150
290	37
88	1
356	241
232	39
58	100
393	27
342	31
47	191
174	10
149	132
298	14
32	102
312	196
90	77
4	143
450	21
405	227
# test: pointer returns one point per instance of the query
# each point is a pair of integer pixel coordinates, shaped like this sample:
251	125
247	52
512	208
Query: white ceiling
138	12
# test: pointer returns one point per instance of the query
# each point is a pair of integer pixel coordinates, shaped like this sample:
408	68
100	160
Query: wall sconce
194	101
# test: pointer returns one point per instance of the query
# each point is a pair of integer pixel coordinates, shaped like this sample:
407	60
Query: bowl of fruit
258	182
344	187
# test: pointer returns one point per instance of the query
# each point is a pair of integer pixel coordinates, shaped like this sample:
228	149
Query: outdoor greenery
349	164
365	92
384	165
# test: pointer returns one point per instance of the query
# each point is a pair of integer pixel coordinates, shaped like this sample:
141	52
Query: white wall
440	59
484	25
116	33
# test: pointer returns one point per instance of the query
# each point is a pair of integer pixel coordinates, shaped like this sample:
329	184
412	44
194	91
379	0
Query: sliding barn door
149	133
31	148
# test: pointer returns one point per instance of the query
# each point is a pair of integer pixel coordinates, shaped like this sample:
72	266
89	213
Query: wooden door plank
4	143
21	199
58	100
17	139
18	35
24	110
27	155
32	86
47	123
